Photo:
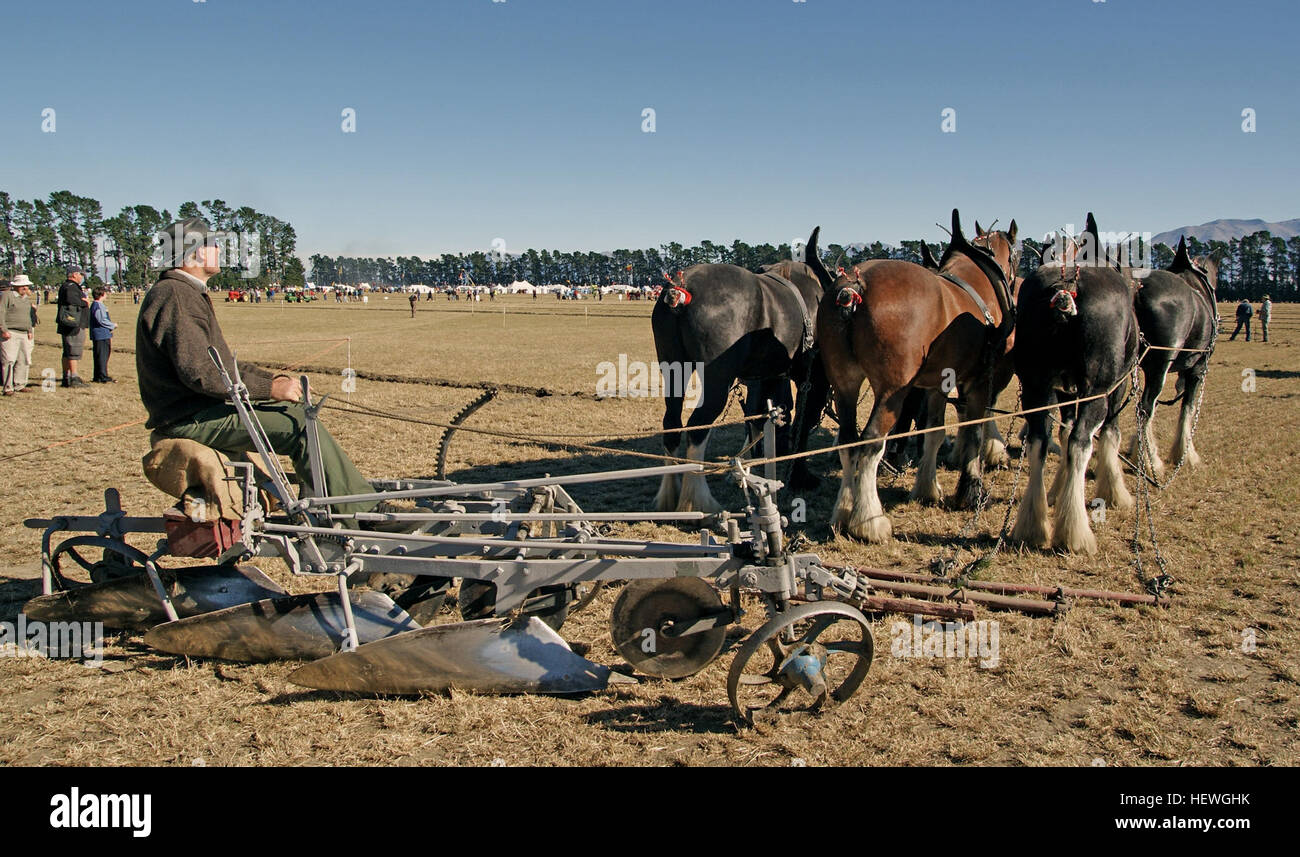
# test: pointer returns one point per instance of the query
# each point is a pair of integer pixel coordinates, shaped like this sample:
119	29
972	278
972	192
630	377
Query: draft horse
1176	308
1076	337
758	328
902	327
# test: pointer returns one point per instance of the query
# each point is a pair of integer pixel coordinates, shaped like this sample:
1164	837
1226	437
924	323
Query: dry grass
1127	686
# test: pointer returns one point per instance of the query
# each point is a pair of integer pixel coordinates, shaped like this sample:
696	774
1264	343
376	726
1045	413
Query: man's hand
285	389
4	335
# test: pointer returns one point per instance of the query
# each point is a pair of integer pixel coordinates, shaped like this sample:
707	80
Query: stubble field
1098	685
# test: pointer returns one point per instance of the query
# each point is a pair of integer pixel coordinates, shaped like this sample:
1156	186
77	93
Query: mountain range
1225	229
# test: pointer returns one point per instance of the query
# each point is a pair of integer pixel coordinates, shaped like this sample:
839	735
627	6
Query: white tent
521	287
421	288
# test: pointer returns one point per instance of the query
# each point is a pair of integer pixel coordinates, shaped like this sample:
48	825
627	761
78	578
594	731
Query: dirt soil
1211	680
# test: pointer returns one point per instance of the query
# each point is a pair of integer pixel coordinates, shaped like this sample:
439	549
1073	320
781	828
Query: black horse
1176	308
1076	336
738	324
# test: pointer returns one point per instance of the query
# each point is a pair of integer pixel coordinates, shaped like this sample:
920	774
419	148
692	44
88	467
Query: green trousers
284	423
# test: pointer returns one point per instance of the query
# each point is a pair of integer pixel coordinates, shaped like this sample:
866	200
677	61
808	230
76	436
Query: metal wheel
120	559
648	612
822	650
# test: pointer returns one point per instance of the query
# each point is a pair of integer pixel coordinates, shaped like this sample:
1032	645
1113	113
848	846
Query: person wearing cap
72	320
182	389
17	325
1265	314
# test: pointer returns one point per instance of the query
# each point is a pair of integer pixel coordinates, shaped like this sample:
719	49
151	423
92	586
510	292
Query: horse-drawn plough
525	554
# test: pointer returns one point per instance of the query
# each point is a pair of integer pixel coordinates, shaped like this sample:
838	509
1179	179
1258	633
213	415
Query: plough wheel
120	559
822	649
646	610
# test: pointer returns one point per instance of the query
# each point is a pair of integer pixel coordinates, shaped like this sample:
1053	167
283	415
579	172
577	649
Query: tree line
1249	267
39	237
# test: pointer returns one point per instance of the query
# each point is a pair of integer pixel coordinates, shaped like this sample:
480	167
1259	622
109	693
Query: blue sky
522	120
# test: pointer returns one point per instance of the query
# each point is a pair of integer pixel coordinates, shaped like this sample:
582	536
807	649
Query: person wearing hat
17	324
1265	313
73	318
182	389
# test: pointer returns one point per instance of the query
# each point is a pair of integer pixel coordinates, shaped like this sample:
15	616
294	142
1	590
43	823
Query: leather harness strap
808	336
966	287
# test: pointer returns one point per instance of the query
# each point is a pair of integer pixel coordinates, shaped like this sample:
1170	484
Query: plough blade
484	656
131	602
294	627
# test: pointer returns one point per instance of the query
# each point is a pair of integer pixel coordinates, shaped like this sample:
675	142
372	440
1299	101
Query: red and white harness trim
848	297
677	294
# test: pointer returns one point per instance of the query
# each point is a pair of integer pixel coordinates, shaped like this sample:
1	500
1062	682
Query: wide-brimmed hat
21	280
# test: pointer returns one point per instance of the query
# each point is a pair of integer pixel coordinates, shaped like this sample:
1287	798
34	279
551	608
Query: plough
524	552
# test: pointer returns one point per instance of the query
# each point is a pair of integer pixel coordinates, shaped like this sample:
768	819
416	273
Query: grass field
1126	686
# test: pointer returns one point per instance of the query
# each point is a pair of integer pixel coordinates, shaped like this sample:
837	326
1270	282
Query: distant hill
1223	230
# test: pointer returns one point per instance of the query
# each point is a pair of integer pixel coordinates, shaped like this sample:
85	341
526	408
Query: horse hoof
1032	535
874	530
969	496
928	496
1084	542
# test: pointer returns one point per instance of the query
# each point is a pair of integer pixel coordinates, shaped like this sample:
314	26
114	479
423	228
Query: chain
1162	581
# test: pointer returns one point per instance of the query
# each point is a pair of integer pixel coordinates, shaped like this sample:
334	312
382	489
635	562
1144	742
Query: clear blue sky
522	120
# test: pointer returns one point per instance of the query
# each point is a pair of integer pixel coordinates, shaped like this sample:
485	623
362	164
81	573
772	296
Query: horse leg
1031	520
970	486
1110	478
846	406
1067	417
809	413
869	522
1183	449
1153	383
995	445
695	495
926	490
1072	530
666	499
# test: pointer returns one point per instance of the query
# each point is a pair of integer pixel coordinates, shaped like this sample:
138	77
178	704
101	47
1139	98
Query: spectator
414	297
1244	312
17	320
1265	314
101	337
72	320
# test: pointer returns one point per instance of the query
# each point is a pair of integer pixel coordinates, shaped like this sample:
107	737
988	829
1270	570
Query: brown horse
901	326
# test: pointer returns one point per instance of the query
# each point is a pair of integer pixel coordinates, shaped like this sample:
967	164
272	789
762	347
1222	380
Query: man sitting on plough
185	396
182	388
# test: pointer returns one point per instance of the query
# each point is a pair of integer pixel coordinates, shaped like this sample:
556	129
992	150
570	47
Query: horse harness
808	332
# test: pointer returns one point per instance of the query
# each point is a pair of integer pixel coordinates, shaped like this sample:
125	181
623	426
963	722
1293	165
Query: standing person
73	319
1244	312
414	298
17	326
1265	315
101	337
